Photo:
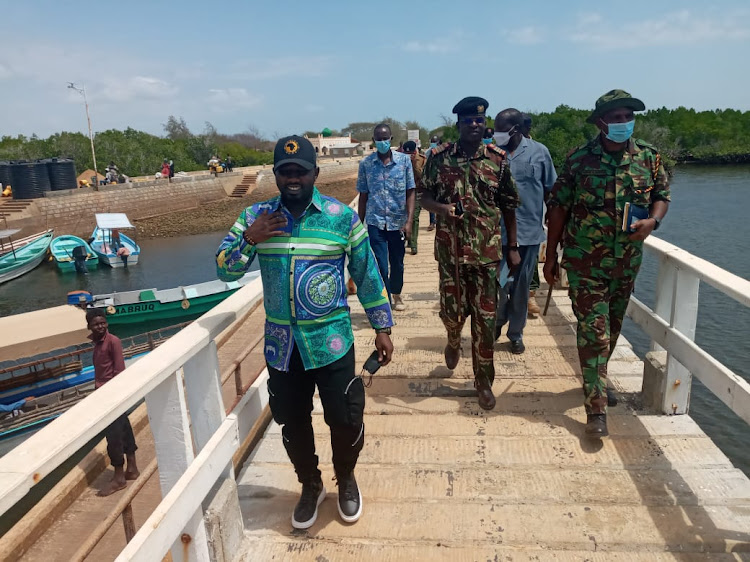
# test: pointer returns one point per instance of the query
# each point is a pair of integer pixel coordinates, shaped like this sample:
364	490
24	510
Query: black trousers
343	396
120	440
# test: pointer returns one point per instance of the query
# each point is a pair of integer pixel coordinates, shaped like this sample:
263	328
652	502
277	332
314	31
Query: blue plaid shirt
386	187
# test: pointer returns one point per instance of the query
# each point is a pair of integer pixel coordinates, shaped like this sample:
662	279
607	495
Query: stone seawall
72	212
330	172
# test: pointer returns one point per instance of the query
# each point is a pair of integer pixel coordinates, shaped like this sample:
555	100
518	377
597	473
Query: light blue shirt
18	404
531	166
386	187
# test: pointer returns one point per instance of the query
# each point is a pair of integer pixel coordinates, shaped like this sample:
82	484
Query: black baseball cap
294	150
409	147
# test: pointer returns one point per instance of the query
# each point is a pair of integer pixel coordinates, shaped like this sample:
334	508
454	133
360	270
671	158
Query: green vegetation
137	153
681	135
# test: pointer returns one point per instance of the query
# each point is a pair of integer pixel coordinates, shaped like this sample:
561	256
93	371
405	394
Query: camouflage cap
614	99
472	105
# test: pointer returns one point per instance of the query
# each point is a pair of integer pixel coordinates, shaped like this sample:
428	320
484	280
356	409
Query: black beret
409	147
472	105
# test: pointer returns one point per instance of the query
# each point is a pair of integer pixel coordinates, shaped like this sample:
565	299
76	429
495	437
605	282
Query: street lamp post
82	91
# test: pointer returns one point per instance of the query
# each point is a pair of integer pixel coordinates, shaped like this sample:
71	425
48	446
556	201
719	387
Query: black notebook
631	214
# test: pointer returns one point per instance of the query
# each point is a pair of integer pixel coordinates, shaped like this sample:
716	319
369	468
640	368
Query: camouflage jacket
418	167
594	187
485	187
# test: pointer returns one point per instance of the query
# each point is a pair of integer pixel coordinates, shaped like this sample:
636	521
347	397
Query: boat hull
110	258
61	249
22	261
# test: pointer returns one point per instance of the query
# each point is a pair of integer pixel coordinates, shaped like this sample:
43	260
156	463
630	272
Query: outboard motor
79	256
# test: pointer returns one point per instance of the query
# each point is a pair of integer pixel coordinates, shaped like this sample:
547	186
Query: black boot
350	499
306	511
596	425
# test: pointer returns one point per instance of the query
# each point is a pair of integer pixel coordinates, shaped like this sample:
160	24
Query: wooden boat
63	249
167	304
114	248
18	262
59	381
7	244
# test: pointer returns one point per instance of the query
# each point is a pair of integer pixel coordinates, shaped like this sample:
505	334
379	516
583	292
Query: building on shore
334	146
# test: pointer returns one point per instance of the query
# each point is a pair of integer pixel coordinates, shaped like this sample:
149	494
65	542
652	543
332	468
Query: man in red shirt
108	363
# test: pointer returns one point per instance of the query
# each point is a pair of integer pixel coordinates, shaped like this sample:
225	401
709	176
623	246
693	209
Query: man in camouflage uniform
417	164
601	258
468	185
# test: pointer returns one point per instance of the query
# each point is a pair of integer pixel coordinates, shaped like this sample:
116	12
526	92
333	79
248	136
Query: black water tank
30	179
62	173
6	175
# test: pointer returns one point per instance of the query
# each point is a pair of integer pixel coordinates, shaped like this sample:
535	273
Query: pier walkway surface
444	480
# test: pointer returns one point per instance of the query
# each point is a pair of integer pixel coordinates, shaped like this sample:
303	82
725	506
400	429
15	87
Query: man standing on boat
469	185
108	363
603	248
302	239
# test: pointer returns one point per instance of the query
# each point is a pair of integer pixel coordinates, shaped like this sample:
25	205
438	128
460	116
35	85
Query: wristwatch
383	331
514	247
657	220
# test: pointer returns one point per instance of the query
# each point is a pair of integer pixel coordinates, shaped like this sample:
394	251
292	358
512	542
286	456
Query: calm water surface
708	218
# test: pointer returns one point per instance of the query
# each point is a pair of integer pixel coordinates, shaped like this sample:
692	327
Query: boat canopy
9	232
108	221
42	331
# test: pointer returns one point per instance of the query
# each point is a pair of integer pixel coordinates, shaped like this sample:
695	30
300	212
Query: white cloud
312	108
232	98
528	35
5	71
433	47
137	88
676	28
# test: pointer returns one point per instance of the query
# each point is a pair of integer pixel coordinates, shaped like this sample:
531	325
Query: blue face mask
383	146
433	145
486	141
620	132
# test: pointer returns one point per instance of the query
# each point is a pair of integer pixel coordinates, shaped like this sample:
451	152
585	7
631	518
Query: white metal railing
671	326
194	438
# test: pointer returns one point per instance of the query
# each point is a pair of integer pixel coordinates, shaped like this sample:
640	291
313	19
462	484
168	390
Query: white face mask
501	139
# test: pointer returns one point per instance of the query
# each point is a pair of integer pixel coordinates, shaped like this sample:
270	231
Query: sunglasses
473	120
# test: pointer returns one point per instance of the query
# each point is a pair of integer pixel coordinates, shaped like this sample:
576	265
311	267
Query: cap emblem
291	147
480	109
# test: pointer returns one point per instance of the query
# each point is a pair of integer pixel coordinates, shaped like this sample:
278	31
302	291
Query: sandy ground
220	215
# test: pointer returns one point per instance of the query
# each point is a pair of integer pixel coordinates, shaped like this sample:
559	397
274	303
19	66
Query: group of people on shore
489	193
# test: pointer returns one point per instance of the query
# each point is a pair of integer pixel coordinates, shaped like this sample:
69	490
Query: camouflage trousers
415	222
599	306
478	286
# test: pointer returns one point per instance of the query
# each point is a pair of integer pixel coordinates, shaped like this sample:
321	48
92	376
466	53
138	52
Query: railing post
684	317
665	287
170	426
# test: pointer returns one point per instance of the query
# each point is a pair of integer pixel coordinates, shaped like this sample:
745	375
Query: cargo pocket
273	402
354	395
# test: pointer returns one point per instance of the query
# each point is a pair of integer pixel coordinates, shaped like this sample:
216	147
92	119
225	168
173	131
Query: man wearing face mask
386	205
601	252
469	185
534	173
489	133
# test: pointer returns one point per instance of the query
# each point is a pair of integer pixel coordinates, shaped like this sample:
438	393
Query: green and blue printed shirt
304	290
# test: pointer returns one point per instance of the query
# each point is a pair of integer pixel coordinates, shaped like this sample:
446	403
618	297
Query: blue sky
287	67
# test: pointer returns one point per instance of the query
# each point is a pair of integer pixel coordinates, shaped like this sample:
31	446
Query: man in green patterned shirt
302	239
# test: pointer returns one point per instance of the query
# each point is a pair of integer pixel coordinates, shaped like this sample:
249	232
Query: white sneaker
398	303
